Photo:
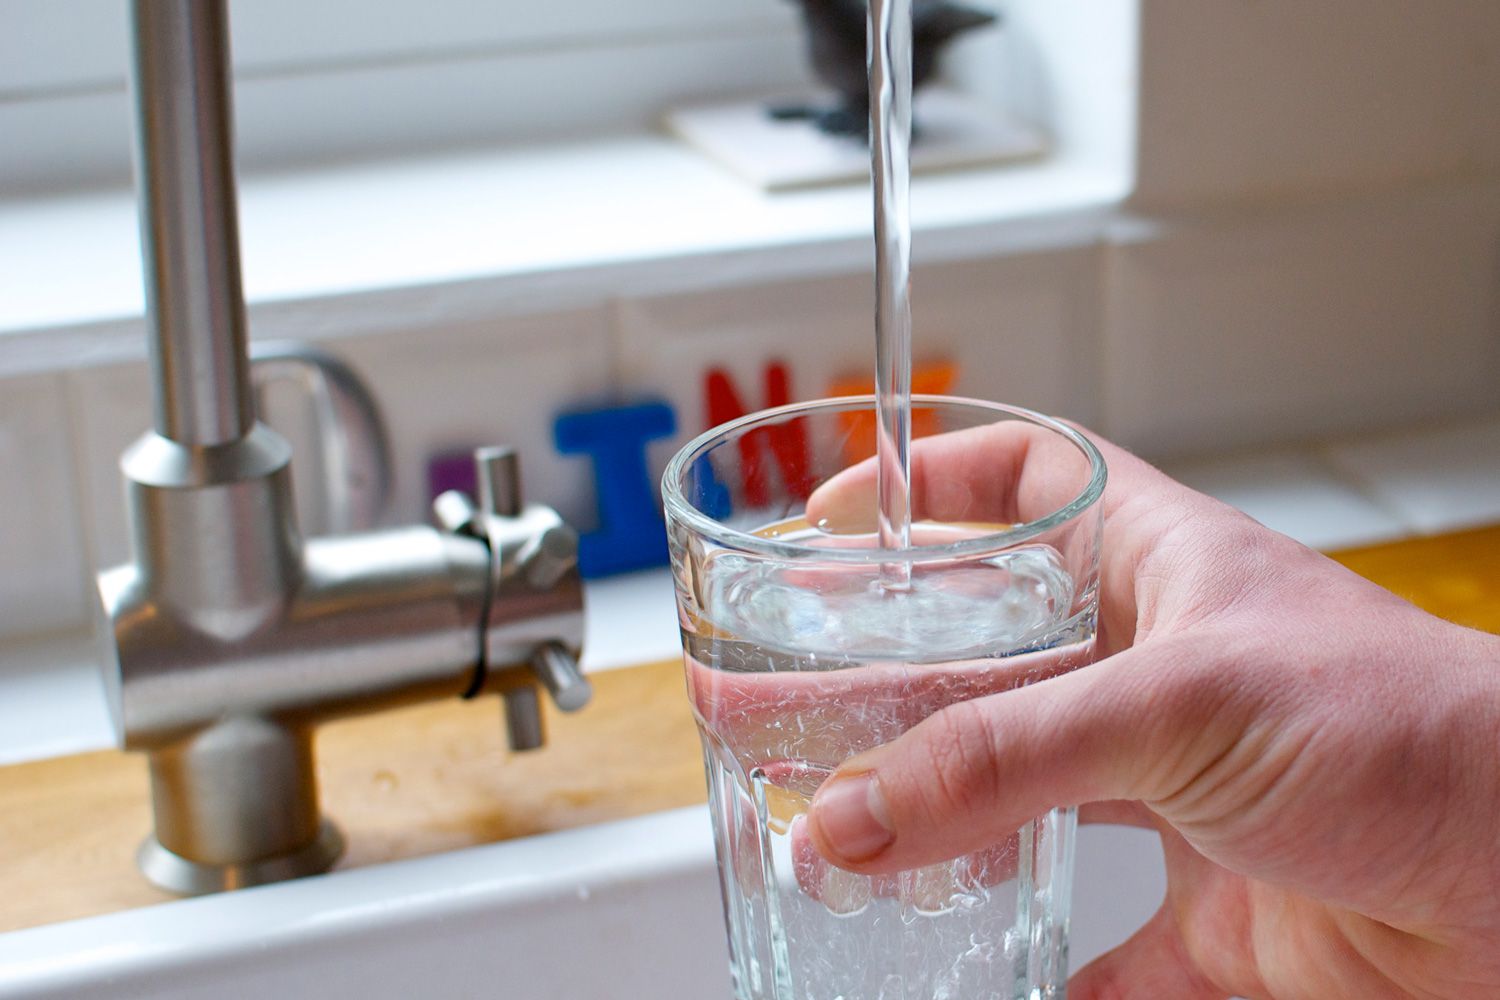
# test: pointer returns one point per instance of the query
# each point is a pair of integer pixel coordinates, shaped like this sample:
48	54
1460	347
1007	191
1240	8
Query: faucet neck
180	83
214	531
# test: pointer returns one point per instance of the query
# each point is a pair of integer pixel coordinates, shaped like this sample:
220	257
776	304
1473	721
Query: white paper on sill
954	130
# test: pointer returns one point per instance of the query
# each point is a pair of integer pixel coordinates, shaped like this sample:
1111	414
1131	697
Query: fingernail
851	815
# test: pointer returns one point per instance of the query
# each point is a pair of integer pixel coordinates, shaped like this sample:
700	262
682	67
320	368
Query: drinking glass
805	643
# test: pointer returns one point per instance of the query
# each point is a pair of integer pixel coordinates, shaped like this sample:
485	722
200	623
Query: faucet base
179	875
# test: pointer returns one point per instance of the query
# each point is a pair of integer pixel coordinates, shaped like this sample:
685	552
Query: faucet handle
523	719
497	470
558	670
534	564
551	550
455	513
497	473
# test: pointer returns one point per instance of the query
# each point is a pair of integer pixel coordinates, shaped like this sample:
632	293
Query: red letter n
786	442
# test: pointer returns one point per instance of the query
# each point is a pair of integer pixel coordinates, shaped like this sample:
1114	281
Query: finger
1152	965
839	890
933	887
1138	726
785	723
977	474
1010	472
1014	471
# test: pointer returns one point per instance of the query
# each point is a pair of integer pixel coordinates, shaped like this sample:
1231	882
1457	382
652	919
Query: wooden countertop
1455	576
438	777
399	784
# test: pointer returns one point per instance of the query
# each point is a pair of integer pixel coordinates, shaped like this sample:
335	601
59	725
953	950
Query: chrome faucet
231	636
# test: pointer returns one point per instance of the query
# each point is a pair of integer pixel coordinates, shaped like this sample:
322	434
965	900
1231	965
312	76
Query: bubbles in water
792	669
931	891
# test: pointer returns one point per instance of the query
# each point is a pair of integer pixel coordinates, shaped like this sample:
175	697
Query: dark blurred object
836	43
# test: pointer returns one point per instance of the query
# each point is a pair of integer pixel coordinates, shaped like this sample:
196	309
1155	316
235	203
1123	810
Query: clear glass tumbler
805	645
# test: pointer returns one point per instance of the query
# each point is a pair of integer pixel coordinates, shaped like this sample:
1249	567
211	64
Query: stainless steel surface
231	637
530	543
523	719
365	622
558	671
189	231
550	556
353	455
190	878
454	511
499	474
531	628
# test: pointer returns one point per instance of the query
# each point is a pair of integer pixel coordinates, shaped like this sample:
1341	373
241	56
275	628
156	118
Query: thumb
1140	725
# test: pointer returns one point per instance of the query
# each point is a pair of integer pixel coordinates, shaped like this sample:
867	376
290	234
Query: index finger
1008	472
1013	472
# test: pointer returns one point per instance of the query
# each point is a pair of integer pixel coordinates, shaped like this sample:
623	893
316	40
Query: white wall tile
1068	67
1260	327
41	553
1435	480
111	408
440	389
1262	99
1023	330
632	619
1295	493
54	703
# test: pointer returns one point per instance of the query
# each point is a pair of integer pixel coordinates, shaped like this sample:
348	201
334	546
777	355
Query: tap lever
532	545
533	621
558	671
454	512
550	556
498	471
523	718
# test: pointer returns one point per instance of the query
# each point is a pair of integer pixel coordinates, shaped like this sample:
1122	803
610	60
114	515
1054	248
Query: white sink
620	911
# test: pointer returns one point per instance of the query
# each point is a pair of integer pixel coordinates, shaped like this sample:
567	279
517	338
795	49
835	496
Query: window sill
509	231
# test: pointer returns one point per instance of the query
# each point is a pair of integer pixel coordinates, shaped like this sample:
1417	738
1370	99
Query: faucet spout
195	307
231	636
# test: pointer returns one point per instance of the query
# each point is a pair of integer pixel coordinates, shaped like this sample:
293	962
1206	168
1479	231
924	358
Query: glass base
988	926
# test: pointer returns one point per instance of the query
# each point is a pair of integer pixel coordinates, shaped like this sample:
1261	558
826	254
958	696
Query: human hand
1321	758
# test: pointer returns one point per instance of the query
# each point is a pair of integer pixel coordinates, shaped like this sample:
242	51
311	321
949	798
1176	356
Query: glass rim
679	508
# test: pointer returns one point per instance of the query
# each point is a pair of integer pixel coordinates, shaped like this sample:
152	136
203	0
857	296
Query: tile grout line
1312	482
1322	453
81	483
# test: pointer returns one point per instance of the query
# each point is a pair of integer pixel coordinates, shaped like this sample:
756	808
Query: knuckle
1204	713
959	762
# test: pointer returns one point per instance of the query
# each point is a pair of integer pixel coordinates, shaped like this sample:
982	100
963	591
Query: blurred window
339	79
